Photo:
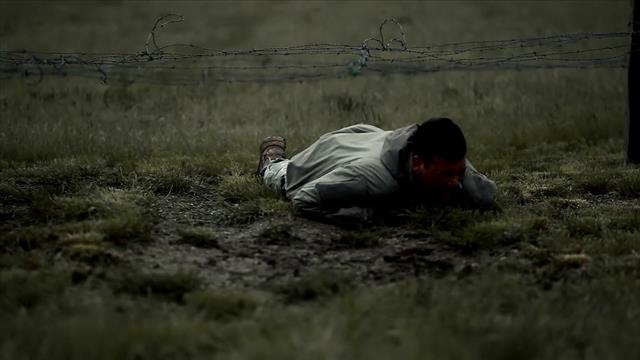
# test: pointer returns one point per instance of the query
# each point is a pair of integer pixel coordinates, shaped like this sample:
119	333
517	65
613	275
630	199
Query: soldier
350	175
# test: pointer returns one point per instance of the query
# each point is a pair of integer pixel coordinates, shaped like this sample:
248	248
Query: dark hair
439	137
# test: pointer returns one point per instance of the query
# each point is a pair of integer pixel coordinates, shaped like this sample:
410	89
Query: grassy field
131	226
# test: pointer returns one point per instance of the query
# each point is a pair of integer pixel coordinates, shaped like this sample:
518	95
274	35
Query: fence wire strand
183	63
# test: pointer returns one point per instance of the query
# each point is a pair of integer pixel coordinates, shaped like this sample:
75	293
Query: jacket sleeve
340	197
479	190
354	129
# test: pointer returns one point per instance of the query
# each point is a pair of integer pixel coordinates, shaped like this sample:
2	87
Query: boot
271	148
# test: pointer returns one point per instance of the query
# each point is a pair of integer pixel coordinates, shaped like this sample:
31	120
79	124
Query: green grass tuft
249	211
314	286
104	203
28	238
26	289
201	237
168	286
356	240
237	187
625	184
278	235
222	305
492	234
92	254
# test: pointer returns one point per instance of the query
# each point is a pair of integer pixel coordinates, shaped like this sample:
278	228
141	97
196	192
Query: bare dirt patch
275	249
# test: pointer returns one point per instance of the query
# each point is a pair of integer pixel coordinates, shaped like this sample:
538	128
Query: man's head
438	155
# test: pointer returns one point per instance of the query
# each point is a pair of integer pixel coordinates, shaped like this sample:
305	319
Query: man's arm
480	191
340	197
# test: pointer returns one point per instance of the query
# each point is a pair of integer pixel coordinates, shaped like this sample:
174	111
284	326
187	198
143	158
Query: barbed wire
183	63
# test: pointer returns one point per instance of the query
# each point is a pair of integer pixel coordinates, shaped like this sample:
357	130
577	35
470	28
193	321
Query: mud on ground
278	248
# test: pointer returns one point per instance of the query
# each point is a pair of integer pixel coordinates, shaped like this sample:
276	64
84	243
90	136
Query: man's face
437	174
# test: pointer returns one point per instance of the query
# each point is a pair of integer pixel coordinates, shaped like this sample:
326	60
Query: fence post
633	111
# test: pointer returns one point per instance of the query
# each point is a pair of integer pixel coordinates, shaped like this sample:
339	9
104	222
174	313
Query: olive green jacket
349	174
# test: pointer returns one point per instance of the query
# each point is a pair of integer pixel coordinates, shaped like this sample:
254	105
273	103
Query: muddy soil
277	249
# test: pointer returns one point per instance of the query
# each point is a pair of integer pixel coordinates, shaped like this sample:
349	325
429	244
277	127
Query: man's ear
417	164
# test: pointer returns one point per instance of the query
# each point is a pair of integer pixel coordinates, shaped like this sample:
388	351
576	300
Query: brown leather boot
271	148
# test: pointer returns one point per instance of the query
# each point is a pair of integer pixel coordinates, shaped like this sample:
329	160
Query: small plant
170	182
314	286
584	226
277	235
628	185
92	254
238	187
249	211
484	235
242	213
596	184
448	219
629	220
169	286
126	228
356	240
19	288
221	305
345	102
28	238
201	237
90	238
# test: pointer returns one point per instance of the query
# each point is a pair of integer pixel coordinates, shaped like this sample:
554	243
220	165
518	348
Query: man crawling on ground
353	174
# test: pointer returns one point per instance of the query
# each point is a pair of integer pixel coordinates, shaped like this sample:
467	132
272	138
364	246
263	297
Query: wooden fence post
633	111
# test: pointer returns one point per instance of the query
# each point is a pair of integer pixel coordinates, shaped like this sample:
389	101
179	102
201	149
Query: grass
280	234
202	237
483	236
313	286
96	180
356	240
27	289
170	286
222	306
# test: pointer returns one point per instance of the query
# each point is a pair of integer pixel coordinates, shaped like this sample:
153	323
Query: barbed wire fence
184	64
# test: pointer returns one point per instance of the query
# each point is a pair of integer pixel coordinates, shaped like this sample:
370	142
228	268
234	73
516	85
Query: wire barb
160	23
402	41
183	63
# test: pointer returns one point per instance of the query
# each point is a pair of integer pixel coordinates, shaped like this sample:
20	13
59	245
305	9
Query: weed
617	243
19	288
237	187
243	213
624	183
92	254
448	219
25	260
491	234
628	186
345	102
82	238
221	305
169	286
103	203
628	220
170	182
201	237
126	228
250	211
356	240
28	238
278	235
108	329
314	286
584	226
